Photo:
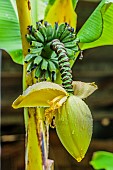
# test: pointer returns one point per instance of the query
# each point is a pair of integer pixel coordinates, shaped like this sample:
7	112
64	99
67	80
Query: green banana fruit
38	25
29	57
60	30
70	53
51	66
30	37
55	30
54	59
64	34
54	56
36	44
44	64
55	63
69	38
42	29
31	67
38	60
74	126
39	37
31	29
70	44
75	48
35	50
49	32
38	72
47	74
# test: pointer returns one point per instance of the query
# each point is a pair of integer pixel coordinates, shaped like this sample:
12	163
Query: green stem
25	20
33	149
43	129
36	142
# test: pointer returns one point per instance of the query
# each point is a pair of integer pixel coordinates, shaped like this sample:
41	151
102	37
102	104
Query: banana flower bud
74	126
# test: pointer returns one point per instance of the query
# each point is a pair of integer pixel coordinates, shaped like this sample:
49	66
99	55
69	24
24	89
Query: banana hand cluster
41	57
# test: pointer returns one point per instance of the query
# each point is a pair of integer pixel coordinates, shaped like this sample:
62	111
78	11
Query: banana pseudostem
36	152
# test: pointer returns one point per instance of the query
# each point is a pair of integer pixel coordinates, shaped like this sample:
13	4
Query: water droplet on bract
79	159
81	149
73	132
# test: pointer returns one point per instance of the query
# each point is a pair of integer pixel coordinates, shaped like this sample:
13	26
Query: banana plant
102	156
47	51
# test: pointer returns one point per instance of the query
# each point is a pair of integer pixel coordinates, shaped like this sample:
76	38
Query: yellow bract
39	94
62	11
49	94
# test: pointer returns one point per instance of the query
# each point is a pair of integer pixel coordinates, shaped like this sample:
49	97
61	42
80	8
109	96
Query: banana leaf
102	160
98	29
38	8
10	39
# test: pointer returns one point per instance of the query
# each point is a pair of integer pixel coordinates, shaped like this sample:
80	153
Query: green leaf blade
106	35
10	38
92	28
38	10
102	160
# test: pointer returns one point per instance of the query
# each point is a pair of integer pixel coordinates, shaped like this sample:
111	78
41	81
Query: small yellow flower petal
55	104
60	102
56	99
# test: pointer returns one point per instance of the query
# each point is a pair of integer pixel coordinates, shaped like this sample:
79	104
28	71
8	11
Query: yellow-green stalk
36	154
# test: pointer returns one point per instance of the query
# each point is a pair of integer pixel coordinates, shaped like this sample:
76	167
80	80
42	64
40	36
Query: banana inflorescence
44	60
51	50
